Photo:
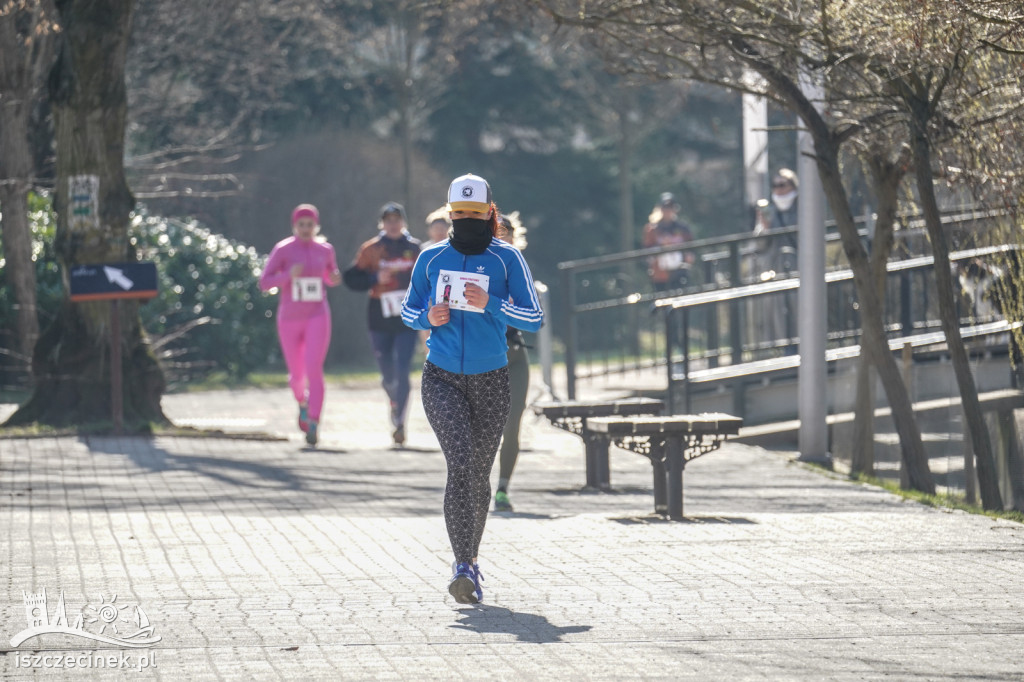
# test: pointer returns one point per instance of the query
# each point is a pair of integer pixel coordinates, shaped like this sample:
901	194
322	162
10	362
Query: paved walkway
258	559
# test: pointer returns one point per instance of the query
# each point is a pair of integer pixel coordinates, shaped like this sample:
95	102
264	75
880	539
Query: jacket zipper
462	323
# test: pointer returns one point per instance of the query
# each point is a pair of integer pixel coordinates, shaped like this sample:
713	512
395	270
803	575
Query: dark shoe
501	502
463	585
311	432
398	436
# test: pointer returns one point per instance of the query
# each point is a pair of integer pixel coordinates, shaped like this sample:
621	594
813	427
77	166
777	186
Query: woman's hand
439	315
335	278
476	296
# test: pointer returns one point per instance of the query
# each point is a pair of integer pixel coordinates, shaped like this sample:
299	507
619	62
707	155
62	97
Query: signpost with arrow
112	282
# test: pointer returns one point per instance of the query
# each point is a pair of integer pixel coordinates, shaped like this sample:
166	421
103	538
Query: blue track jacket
471	342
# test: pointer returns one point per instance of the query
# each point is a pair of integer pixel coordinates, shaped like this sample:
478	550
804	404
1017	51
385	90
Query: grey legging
467	413
519	384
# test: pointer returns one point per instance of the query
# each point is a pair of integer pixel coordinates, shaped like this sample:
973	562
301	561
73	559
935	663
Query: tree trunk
20	270
873	339
18	85
886	178
71	364
988	482
627	224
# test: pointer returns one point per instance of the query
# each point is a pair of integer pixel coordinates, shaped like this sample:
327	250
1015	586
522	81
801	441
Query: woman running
300	266
512	231
467	290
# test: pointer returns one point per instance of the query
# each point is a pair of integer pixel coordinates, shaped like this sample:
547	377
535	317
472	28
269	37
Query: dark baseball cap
392	207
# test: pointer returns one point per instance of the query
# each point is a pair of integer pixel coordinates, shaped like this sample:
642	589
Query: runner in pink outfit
301	266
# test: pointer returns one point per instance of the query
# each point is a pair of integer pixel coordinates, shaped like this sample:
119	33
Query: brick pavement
263	560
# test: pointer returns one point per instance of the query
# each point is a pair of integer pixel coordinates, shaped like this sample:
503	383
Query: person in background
438	225
382	266
778	253
512	231
668	270
776	256
300	267
466	290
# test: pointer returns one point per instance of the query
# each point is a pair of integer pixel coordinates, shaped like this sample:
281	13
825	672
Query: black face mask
470	236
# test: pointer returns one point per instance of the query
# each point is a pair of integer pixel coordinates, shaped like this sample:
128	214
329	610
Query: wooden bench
669	442
572	415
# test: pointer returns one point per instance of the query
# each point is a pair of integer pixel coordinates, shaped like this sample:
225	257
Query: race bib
670	261
391	303
308	289
451	288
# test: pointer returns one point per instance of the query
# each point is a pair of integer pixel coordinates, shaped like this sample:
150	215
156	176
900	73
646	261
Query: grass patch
100	428
218	381
943	501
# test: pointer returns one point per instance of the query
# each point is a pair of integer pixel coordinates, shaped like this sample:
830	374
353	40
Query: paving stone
263	559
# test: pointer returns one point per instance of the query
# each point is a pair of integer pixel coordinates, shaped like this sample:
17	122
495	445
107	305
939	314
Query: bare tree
71	363
27	31
962	82
704	42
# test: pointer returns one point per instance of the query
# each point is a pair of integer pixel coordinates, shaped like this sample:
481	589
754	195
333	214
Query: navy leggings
468	413
394	355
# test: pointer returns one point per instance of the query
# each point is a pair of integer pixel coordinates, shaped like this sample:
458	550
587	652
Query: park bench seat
571	416
669	442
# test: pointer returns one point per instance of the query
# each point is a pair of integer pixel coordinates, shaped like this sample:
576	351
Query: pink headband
305	211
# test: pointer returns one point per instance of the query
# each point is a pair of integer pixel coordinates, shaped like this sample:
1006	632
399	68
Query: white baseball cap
469	193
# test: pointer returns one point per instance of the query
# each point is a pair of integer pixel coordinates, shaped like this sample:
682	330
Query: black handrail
734	295
736	246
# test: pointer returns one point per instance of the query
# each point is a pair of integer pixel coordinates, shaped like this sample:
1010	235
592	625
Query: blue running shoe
463	585
478	576
311	433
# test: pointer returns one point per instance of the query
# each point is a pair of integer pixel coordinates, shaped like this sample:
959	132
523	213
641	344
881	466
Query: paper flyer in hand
451	288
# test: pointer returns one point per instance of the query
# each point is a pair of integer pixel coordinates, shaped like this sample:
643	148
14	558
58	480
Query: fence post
670	334
906	314
545	343
569	333
735	325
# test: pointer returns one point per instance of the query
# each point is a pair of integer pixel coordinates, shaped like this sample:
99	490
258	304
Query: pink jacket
318	262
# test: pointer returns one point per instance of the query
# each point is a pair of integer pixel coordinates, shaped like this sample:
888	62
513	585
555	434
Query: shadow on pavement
317	448
589	490
235	472
245	479
658	518
526	515
527	627
412	448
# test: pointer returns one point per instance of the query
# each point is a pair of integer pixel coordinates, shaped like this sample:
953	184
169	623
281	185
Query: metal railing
911	312
607	323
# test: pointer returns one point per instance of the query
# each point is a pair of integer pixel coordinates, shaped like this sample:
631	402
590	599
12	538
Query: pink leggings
304	343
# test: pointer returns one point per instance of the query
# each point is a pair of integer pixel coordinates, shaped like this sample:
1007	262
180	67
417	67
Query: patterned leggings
467	413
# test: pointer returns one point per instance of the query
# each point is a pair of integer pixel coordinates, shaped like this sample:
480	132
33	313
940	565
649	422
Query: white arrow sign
117	277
